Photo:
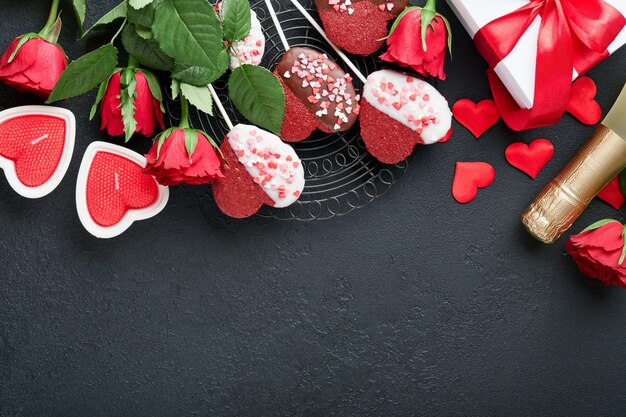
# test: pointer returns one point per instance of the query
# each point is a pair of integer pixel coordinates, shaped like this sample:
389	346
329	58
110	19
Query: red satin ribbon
574	34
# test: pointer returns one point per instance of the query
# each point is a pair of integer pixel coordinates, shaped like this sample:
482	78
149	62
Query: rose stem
343	56
184	115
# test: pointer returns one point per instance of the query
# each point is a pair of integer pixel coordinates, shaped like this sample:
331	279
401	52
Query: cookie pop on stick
319	95
398	111
259	169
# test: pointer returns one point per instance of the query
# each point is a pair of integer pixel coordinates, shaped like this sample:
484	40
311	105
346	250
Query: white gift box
517	70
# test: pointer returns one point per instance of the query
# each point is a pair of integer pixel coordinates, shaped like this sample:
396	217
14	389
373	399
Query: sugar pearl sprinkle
273	165
411	101
314	71
344	6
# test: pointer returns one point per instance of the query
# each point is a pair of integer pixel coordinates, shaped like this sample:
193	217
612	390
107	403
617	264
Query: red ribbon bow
574	34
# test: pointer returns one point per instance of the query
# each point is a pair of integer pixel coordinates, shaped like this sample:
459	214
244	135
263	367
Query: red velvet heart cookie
399	112
530	159
319	95
113	191
477	118
259	169
36	146
581	102
469	177
358	26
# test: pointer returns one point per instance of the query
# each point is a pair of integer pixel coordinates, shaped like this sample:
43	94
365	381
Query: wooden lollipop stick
221	108
279	28
343	56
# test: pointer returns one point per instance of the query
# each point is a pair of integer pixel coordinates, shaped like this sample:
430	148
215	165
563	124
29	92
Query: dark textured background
414	305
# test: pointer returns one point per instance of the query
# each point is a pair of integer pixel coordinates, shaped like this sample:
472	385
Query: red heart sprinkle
612	194
469	177
530	159
581	102
477	118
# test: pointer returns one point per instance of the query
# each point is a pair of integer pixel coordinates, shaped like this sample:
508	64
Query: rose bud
34	62
184	156
599	252
422	50
131	103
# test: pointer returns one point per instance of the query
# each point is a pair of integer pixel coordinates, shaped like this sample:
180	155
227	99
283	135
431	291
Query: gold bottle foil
563	200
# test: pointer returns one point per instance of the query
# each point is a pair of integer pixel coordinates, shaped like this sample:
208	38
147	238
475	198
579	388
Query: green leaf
199	97
127	95
155	87
118	12
25	38
258	95
190	32
200	75
80	9
598	225
236	16
139	4
143	16
99	96
146	51
86	73
191	141
175	89
427	17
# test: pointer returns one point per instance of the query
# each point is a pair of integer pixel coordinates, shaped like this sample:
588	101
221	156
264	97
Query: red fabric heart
35	144
469	177
612	194
530	159
581	102
115	186
477	118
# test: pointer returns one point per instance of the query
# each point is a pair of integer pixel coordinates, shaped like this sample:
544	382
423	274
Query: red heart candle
113	191
36	146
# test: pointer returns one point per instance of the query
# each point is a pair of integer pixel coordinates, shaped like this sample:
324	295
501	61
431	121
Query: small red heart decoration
581	102
113	191
469	177
530	159
612	194
477	118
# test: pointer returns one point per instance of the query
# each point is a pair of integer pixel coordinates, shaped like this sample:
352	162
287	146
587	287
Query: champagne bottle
595	164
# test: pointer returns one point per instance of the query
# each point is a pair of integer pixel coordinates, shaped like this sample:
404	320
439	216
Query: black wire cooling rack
341	176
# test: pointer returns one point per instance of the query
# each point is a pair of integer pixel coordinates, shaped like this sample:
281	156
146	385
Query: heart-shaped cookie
36	146
469	177
477	118
399	112
612	194
319	95
581	102
358	26
259	169
530	159
113	191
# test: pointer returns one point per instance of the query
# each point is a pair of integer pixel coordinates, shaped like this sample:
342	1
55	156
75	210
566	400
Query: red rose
599	253
406	48
35	68
173	164
148	114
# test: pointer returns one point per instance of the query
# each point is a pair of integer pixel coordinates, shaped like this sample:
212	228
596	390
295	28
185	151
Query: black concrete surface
413	306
